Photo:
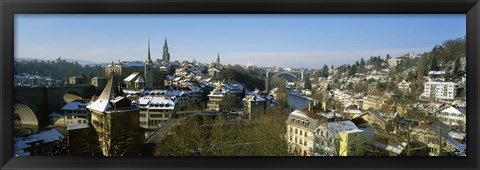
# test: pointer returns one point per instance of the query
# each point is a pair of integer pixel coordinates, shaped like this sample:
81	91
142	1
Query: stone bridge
44	100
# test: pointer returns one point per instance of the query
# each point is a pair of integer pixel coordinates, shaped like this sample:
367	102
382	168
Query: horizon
239	39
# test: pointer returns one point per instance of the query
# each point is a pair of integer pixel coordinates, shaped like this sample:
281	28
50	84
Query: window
296	131
304	143
306	134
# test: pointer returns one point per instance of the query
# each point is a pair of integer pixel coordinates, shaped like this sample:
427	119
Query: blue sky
264	40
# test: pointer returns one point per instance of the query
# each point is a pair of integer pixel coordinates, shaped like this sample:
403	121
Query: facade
439	90
372	101
342	138
301	125
74	112
123	69
155	110
116	122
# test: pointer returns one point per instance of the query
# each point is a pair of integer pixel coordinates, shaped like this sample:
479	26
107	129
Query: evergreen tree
433	64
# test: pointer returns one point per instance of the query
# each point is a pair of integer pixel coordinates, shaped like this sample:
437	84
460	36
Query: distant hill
81	62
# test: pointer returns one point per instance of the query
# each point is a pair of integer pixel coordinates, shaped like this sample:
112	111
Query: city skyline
262	40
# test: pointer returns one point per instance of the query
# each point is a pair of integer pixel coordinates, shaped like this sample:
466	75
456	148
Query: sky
288	40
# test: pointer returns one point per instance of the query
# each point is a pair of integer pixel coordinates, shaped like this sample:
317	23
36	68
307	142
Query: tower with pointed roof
149	81
218	58
116	122
166	54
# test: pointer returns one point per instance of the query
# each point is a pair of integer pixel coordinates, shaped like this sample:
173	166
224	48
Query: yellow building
351	142
340	138
301	125
116	122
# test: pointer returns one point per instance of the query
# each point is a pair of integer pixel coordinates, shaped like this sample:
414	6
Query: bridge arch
72	95
25	112
285	73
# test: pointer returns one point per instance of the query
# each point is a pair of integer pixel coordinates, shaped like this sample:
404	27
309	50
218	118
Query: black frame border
9	8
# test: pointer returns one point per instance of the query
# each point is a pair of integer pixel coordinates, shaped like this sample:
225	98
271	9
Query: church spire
149	60
166	54
218	58
165	45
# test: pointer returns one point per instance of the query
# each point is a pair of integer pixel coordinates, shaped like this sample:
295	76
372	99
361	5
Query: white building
439	90
155	110
74	112
453	116
301	126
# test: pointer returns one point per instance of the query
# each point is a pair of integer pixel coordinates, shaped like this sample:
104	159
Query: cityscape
402	104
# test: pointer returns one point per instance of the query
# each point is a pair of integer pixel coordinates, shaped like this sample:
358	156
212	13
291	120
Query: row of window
302	133
300	142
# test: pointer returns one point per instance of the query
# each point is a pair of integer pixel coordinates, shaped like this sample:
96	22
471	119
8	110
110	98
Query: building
404	86
83	140
37	144
99	83
215	68
74	112
439	90
221	99
394	62
76	80
134	81
256	105
372	100
434	135
339	138
155	110
436	76
301	125
123	69
116	122
453	116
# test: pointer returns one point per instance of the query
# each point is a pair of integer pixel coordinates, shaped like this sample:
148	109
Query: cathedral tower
166	54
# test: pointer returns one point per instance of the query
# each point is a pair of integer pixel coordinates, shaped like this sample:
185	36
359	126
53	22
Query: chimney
309	106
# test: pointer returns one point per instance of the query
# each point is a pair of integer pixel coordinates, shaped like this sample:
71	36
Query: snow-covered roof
131	76
133	64
452	109
45	136
55	114
436	72
75	105
110	92
161	102
139	80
